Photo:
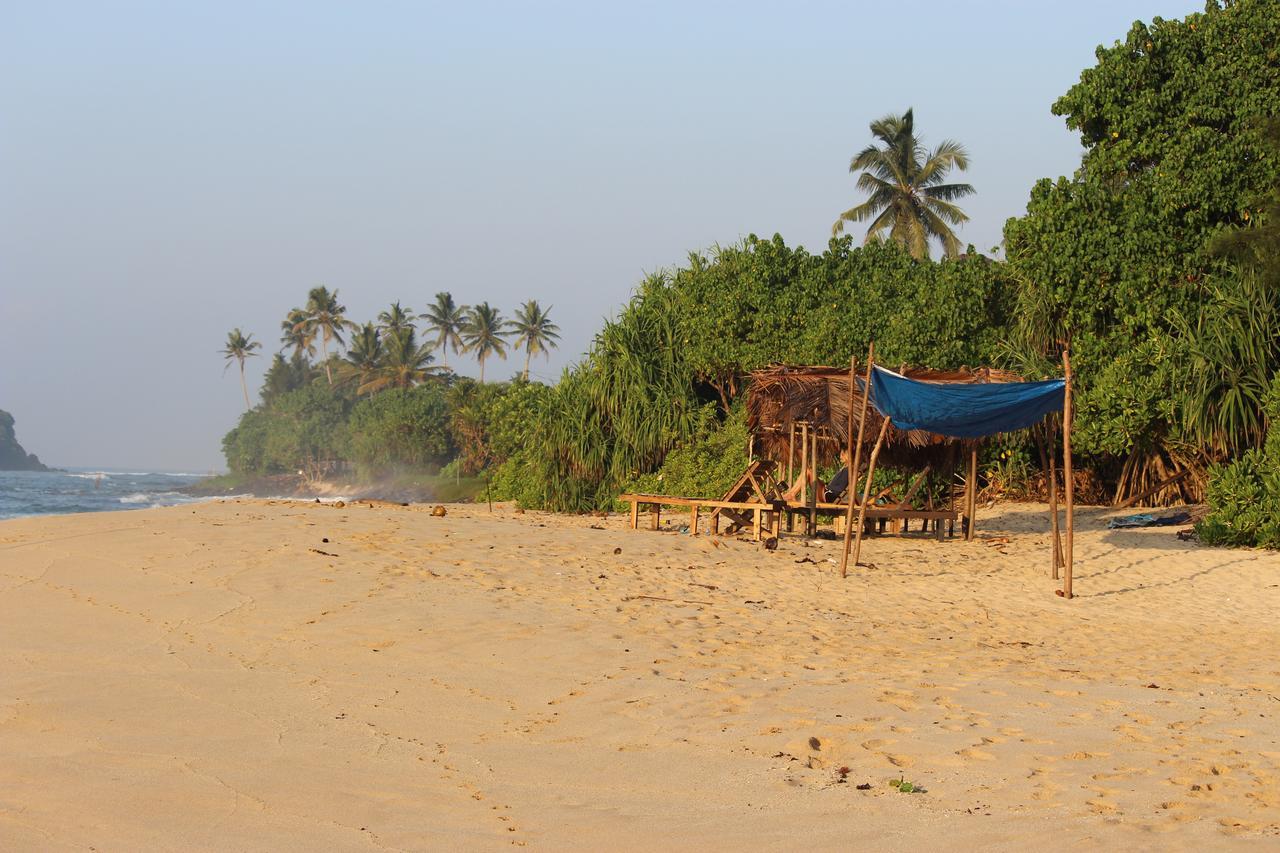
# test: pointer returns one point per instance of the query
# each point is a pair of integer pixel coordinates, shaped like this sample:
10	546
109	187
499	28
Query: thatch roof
781	396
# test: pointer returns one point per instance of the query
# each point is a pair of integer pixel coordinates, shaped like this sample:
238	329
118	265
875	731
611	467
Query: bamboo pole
1066	473
855	451
866	492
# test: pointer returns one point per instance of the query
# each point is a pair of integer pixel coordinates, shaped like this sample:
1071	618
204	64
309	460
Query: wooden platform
768	516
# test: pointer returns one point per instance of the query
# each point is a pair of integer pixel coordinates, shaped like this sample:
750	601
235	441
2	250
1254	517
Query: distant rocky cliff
12	456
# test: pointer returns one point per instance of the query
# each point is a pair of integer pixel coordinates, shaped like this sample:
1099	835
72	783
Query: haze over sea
25	493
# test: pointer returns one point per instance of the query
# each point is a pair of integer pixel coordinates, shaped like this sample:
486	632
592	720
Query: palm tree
240	346
407	363
395	318
325	316
445	320
364	356
294	334
534	331
482	333
907	195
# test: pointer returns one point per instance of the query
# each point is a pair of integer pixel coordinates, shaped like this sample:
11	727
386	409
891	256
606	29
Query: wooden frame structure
815	407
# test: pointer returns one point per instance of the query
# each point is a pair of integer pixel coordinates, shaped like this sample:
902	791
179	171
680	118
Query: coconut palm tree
907	193
534	331
294	334
482	333
395	318
445	319
364	357
406	363
239	347
325	317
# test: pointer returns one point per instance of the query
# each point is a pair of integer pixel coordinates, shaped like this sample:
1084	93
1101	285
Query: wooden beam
693	520
855	450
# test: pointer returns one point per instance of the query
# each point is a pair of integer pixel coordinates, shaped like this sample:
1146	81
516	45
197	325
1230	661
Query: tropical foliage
907	196
445	319
483	333
239	347
533	331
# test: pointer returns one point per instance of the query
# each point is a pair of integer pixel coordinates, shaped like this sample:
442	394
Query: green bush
401	428
1244	496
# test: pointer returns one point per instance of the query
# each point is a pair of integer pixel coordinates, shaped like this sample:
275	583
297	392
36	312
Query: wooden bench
655	503
943	519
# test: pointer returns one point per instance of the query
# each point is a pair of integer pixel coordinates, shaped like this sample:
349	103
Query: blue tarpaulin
963	410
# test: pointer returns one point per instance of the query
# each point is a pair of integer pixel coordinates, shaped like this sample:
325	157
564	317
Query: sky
171	170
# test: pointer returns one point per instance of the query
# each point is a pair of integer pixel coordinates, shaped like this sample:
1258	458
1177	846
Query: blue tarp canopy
963	410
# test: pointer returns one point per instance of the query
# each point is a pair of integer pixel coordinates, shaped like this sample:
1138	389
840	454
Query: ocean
24	493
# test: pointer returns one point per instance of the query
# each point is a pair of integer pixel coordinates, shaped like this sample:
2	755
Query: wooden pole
1049	459
1066	473
866	491
855	451
971	494
791	456
804	463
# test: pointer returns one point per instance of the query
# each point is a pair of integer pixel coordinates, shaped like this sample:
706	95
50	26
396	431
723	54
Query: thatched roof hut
783	397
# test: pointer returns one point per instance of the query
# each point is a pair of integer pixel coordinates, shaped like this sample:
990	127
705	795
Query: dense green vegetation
383	410
1155	263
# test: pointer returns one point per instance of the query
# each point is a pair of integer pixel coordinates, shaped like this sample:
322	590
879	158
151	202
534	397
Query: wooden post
971	494
635	514
804	463
855	451
693	520
866	491
655	516
791	456
1047	450
813	498
1066	474
757	524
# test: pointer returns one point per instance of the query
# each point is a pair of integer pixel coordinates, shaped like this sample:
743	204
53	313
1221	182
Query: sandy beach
221	677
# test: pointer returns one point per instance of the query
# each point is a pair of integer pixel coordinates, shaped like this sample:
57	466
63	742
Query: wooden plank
693	520
635	514
672	500
655	516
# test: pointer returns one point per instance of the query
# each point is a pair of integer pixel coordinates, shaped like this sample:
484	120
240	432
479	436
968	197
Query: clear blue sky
171	170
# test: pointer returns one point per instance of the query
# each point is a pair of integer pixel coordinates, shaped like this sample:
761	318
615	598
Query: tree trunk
527	355
481	370
324	348
244	387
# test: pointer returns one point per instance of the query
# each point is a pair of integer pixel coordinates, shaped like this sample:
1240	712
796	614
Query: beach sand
220	677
